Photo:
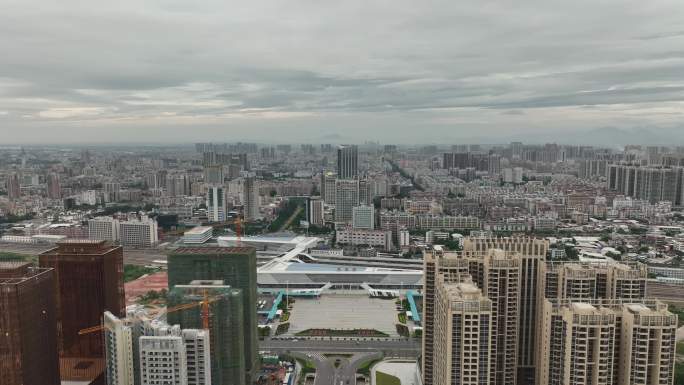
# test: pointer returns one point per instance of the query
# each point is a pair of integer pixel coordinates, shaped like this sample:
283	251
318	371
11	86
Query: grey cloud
370	70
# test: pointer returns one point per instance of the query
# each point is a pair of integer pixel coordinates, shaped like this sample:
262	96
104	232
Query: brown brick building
28	335
89	281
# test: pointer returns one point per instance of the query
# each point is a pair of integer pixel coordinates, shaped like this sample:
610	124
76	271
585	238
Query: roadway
345	374
395	348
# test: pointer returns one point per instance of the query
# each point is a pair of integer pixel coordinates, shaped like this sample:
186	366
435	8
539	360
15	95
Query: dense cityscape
240	263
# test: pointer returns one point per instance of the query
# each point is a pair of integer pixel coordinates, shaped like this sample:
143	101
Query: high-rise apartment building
346	198
329	188
119	355
363	217
507	270
13	186
226	327
54	189
28	328
497	273
177	185
126	365
103	229
314	211
251	197
89	282
236	267
579	281
216	204
213	174
141	232
348	162
163	360
463	330
531	252
603	342
653	184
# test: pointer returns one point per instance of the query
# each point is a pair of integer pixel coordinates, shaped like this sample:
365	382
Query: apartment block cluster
498	313
68	323
130	232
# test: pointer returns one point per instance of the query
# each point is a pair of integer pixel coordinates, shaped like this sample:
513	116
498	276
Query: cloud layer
395	71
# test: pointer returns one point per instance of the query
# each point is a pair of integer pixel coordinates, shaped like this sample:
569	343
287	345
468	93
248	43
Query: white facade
104	228
139	233
380	238
197	356
199	234
163	361
89	197
363	217
118	351
314	212
216	204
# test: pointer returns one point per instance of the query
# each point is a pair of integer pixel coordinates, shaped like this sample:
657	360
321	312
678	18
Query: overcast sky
334	71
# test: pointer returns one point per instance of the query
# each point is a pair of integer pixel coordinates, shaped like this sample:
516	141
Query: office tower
13	186
346	198
103	229
141	232
363	217
226	326
251	196
54	189
163	361
314	211
348	162
28	342
329	188
213	174
578	281
597	342
463	329
216	204
89	282
236	267
119	356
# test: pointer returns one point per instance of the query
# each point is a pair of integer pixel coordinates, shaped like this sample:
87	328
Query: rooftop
212	250
199	230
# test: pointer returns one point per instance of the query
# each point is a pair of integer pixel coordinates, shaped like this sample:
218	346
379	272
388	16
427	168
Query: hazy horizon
609	73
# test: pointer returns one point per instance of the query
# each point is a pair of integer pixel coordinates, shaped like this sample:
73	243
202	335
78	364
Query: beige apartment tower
588	280
506	270
463	329
531	254
605	342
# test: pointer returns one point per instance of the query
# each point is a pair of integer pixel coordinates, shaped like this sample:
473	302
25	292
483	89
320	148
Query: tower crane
204	313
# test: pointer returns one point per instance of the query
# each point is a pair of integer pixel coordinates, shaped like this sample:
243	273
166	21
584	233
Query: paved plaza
344	312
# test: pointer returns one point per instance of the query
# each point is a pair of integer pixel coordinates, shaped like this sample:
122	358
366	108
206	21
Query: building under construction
236	267
222	315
